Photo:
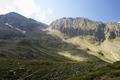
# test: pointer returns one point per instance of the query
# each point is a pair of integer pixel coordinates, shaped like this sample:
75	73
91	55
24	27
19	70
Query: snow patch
22	31
9	25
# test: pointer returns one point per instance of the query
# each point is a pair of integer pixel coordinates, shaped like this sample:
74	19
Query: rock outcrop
85	27
112	30
79	27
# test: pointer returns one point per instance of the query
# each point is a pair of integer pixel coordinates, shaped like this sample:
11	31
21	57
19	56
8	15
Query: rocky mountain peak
16	24
13	14
79	27
20	21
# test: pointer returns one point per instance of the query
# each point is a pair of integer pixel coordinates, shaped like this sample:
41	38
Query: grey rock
112	30
79	27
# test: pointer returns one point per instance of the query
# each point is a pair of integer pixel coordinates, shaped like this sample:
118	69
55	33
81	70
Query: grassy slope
88	45
11	69
111	48
76	48
37	58
42	46
29	49
108	50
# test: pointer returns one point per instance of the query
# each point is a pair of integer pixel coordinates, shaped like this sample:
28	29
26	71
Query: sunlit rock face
112	30
79	27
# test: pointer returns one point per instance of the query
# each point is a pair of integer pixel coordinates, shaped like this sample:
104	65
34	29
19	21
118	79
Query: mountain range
65	41
69	26
101	40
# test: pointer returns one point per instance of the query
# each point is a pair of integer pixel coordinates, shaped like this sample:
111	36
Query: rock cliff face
108	35
112	30
79	27
85	27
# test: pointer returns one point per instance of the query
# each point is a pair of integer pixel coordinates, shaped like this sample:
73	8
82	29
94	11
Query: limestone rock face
79	27
112	30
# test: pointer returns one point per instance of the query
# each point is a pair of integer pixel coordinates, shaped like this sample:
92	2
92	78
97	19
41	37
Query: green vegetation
67	49
50	58
14	69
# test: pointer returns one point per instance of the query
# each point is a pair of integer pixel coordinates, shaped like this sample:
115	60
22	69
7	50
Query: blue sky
48	10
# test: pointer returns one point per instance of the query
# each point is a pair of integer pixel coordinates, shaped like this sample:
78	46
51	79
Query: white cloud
28	8
25	7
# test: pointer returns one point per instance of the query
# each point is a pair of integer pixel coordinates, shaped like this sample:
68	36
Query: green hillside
67	49
11	69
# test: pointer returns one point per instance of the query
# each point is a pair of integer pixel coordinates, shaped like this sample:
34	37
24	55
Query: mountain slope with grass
14	25
67	49
97	38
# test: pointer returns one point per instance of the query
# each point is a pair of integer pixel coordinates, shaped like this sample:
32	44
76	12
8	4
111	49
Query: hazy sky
49	10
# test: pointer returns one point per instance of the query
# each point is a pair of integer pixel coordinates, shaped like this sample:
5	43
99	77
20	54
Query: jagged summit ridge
85	27
79	27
